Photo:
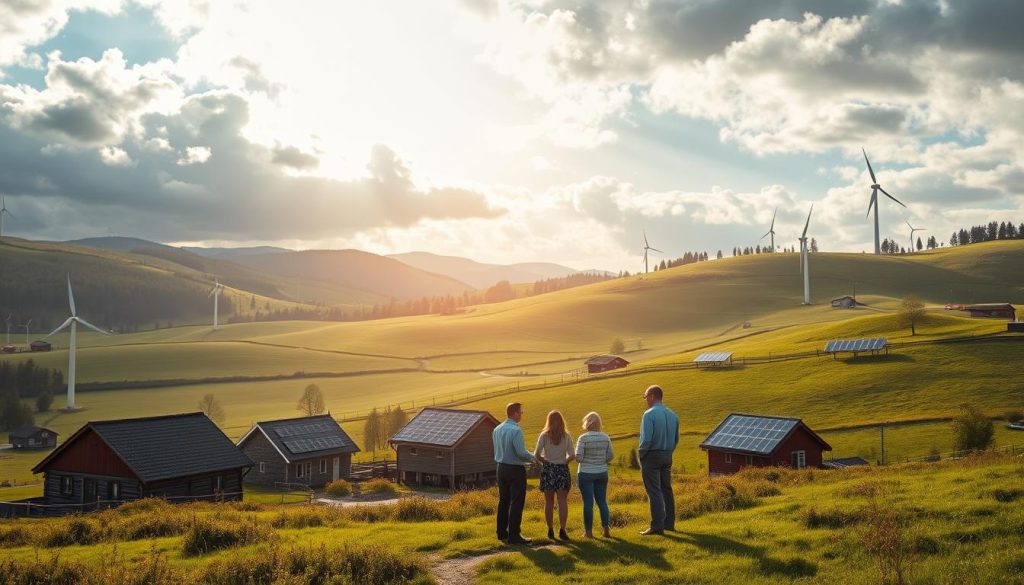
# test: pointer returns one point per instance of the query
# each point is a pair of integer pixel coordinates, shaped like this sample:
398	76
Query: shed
749	440
32	437
845	462
1015	326
446	447
40	345
309	450
844	302
993	311
713	358
180	457
603	363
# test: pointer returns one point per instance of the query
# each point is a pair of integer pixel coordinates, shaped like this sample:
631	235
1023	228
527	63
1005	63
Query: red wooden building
603	363
746	440
992	311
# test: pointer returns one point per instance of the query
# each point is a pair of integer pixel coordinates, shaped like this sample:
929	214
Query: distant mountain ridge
482	275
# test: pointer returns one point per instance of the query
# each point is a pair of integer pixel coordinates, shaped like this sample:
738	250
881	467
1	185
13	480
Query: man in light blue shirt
512	458
659	436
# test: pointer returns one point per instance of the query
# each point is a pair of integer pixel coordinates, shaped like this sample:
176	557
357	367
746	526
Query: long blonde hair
555	427
592	422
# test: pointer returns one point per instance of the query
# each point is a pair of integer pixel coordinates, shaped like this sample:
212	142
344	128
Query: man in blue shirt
512	458
659	435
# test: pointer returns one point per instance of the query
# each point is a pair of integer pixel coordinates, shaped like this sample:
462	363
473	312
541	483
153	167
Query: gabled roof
444	427
600	360
988	307
304	437
756	435
27	431
164	447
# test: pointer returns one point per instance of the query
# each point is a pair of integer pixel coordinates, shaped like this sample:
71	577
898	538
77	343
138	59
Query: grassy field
948	522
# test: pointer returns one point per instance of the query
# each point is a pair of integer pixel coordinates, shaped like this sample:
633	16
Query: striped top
593	451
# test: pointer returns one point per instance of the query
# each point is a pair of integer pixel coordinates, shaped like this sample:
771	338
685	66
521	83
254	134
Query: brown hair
655	391
512	408
555	427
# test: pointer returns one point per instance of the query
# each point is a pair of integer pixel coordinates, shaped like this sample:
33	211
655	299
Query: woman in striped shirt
593	452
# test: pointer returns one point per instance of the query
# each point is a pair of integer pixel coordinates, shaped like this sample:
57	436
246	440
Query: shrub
627	494
344	564
972	430
418	510
1014	416
620	518
714	495
207	535
379	486
338	488
886	538
1007	496
833	519
634	459
14	536
70	531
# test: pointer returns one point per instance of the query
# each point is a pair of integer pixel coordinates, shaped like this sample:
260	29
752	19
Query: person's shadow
599	551
767	565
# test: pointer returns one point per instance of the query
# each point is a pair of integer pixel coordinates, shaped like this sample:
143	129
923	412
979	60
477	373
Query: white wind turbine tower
912	230
771	230
9	328
26	325
875	188
73	322
215	293
647	247
3	212
805	267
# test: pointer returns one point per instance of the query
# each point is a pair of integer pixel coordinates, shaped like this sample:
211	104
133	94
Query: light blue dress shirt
509	444
659	430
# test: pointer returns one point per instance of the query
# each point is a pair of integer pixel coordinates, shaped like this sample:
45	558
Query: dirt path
460	571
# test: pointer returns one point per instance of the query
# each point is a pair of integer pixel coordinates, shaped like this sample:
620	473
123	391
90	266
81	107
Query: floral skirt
555	477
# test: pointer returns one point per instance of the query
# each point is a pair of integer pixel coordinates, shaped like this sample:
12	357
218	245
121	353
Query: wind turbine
771	230
3	212
25	325
647	247
73	322
9	328
805	259
215	293
912	230
875	188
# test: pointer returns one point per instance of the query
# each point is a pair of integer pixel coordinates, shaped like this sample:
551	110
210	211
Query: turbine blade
656	250
806	225
646	245
891	197
774	213
870	170
71	298
62	327
874	201
766	235
91	326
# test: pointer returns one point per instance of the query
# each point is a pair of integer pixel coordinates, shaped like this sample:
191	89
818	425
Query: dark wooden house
180	457
993	311
32	437
40	345
844	302
603	363
745	440
310	450
444	447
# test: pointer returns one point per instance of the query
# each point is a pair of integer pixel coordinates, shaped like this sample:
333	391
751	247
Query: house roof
988	307
444	427
164	447
842	298
26	432
755	434
845	462
601	360
305	437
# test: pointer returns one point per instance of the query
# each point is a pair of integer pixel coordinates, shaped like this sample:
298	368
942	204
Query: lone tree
374	430
911	313
312	401
617	346
212	409
972	430
396	420
43	402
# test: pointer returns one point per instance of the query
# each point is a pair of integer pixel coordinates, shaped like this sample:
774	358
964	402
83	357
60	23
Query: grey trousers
656	469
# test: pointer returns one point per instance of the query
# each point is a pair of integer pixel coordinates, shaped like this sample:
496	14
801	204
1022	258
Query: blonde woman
554	451
593	452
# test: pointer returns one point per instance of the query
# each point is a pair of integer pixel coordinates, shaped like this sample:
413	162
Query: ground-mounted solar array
318	444
752	434
855	345
713	357
438	427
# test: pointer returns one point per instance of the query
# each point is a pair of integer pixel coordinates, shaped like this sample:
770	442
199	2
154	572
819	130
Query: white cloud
28	24
195	155
113	156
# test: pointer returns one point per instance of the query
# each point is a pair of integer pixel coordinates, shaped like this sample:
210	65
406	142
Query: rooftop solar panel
713	357
754	434
855	345
438	427
309	445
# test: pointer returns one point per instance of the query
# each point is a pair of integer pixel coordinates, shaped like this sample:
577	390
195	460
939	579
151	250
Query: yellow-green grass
955	522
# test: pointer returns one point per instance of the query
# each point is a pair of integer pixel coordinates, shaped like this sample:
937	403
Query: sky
509	130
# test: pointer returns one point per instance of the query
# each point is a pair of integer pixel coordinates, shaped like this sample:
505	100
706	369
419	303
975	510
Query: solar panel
437	427
318	444
295	430
855	345
750	433
713	357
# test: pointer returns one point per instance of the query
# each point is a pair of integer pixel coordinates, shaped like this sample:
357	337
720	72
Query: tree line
1004	230
22	380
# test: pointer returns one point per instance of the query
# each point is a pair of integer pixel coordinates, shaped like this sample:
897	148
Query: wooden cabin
32	437
40	345
309	450
444	447
992	311
603	363
747	440
844	302
180	457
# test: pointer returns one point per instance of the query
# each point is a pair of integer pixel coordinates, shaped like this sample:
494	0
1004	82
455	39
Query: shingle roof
757	435
305	437
988	306
165	447
26	432
440	426
600	360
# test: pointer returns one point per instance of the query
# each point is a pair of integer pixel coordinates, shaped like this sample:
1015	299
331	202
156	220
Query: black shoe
670	529
503	538
551	534
652	532
520	541
563	535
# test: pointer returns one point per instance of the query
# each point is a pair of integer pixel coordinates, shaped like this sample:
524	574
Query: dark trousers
656	469
511	499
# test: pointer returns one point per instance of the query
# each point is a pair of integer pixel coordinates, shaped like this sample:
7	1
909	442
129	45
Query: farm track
460	570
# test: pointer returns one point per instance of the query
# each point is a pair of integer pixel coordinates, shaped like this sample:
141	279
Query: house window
31	442
218	483
728	457
439	455
303	469
750	459
323	466
798	459
115	490
67	485
413	451
263	467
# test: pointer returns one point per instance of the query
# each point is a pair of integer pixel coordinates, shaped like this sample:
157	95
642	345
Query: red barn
992	311
603	363
744	440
